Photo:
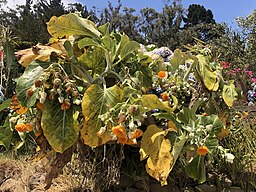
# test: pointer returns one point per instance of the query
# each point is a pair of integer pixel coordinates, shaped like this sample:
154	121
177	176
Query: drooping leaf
208	76
5	104
6	135
60	127
156	149
151	102
97	101
71	24
229	94
196	169
38	52
32	72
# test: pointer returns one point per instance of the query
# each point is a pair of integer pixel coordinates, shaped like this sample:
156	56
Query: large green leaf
97	101
32	72
85	42
196	169
151	102
6	135
71	24
128	48
208	76
60	127
94	60
156	149
229	94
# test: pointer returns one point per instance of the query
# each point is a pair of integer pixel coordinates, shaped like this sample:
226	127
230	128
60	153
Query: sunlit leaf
151	102
60	127
42	53
96	101
229	94
156	149
94	60
128	48
208	76
71	24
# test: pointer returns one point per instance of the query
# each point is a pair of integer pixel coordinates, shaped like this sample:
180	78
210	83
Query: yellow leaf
229	94
151	101
209	77
89	134
97	101
71	24
38	52
157	149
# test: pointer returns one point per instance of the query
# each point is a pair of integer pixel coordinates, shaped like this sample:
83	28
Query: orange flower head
164	97
202	150
136	134
22	127
122	140
119	131
65	105
162	74
39	106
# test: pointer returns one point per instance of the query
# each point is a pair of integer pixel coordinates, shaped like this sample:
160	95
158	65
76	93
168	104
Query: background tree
197	14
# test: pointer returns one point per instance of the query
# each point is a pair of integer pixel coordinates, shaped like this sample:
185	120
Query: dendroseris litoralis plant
99	87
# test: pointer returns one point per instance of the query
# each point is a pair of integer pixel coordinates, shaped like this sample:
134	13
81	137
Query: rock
206	188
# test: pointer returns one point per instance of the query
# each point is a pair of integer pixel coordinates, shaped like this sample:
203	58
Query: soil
28	176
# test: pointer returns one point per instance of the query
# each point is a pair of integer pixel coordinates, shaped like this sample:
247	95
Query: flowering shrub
97	87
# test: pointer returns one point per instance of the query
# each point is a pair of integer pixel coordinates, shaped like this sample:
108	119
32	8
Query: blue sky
223	10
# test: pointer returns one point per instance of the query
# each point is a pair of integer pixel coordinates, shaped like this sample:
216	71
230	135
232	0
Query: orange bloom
119	131
164	97
202	150
136	134
65	105
162	74
122	140
15	105
40	106
22	127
